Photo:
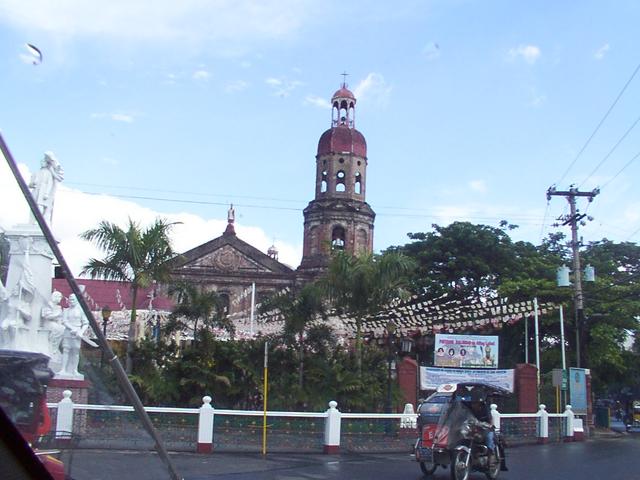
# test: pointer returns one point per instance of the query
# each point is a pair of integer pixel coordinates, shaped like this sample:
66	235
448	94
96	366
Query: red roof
344	92
342	139
115	295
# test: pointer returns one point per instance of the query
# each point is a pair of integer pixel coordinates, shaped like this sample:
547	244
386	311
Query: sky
471	111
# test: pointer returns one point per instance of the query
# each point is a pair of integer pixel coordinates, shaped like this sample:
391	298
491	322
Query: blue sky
471	110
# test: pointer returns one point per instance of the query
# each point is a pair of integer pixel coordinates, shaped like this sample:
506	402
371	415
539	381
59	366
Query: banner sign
578	390
431	377
466	351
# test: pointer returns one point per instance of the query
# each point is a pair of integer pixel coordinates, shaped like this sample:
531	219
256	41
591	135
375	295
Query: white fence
202	429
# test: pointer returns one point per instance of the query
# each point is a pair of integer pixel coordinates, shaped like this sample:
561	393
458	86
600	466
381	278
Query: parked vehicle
455	430
632	420
23	378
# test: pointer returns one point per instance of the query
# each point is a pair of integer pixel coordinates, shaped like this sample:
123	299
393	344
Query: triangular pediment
228	254
227	259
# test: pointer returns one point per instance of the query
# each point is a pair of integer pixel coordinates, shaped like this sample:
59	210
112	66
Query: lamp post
391	329
106	314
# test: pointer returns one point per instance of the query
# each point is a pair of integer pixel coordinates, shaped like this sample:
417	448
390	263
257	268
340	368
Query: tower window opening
341	160
338	238
357	187
340	178
323	183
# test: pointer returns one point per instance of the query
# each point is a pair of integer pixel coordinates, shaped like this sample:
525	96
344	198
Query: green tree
195	305
462	259
135	256
300	310
363	285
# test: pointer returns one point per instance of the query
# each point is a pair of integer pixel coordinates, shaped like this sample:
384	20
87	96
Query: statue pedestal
79	394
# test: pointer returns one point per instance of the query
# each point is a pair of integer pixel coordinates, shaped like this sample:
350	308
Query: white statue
75	324
51	317
44	182
17	316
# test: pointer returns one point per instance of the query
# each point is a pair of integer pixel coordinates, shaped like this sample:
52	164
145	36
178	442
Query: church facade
337	218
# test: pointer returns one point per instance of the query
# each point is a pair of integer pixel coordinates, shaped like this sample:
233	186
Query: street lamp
391	330
106	314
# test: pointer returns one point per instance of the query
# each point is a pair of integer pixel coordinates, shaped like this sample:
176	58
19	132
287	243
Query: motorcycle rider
481	410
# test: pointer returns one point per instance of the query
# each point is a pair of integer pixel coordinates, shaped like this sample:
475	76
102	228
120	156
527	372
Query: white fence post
205	426
64	419
543	424
332	429
569	417
408	419
495	417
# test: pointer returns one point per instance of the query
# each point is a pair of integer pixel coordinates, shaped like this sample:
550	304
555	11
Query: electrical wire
599	125
606	157
621	170
521	218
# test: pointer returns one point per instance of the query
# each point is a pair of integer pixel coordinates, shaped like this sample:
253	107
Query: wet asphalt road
609	459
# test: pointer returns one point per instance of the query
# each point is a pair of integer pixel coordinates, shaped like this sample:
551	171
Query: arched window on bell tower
357	186
323	182
338	238
340	181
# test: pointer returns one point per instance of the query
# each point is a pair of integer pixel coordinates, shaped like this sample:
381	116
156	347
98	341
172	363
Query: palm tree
299	310
363	285
195	304
136	256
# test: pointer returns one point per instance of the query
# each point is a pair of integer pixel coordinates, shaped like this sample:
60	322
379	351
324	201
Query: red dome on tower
342	139
344	92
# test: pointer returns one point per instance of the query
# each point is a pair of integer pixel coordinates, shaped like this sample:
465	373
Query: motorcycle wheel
459	466
428	468
494	466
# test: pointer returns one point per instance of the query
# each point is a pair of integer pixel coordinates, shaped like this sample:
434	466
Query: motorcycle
23	377
451	435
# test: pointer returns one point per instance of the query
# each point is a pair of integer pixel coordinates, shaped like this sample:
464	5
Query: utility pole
574	219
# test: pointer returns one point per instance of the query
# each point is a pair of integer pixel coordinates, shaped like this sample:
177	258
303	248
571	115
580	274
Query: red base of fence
331	449
204	448
578	436
543	440
569	439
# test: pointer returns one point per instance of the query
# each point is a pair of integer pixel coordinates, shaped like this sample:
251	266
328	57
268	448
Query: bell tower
338	217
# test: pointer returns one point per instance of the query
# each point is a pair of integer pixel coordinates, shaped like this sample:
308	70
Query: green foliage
194	305
363	285
134	255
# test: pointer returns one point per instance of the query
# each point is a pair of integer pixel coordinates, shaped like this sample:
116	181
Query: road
611	459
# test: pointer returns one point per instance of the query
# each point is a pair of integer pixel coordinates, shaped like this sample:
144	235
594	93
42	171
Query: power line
599	125
521	218
621	170
606	157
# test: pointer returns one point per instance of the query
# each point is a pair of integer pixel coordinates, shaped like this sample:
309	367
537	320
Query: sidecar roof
464	390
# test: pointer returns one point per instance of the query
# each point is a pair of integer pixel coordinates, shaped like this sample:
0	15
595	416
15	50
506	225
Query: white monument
31	316
75	325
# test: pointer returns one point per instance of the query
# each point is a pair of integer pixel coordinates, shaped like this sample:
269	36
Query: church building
337	218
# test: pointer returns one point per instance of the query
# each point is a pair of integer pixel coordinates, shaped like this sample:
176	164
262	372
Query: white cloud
317	101
75	212
167	20
116	117
237	86
478	186
282	87
373	89
528	53
601	52
201	75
